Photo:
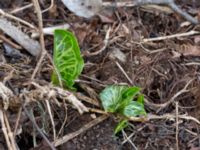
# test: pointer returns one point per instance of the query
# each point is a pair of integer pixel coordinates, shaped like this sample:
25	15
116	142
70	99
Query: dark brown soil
100	137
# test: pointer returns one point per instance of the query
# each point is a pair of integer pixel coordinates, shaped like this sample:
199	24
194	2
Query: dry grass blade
172	116
8	41
177	127
40	24
171	36
5	131
87	99
51	118
10	133
15	18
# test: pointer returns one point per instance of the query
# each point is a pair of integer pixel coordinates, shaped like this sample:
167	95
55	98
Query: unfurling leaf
67	58
120	126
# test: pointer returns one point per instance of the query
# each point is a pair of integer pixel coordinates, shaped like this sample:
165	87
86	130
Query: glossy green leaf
111	97
120	126
134	109
140	99
128	96
121	99
67	57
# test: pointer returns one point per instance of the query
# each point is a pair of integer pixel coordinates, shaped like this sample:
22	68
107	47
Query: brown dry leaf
84	8
194	148
53	12
118	54
106	19
81	32
123	30
190	50
197	39
144	59
107	16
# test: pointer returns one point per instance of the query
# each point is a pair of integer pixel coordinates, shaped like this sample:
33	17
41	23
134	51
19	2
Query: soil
100	137
161	68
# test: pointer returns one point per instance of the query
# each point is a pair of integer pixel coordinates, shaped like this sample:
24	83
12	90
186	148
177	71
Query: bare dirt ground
167	70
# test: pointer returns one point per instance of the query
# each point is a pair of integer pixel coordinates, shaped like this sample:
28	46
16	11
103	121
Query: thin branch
38	129
51	118
10	133
184	90
17	121
21	8
70	136
50	7
4	14
105	42
169	3
124	72
40	23
171	36
177	127
5	132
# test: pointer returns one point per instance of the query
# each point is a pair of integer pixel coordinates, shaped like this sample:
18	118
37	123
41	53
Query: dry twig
4	14
124	72
105	44
37	128
177	129
169	3
5	132
8	41
51	118
40	23
50	7
70	136
10	133
171	36
184	90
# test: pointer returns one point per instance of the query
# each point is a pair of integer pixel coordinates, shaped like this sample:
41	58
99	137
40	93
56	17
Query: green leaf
67	57
128	96
120	99
134	109
140	99
54	78
120	126
111	97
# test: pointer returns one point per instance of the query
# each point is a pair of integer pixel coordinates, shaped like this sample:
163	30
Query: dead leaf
84	8
106	19
197	39
193	147
118	54
191	50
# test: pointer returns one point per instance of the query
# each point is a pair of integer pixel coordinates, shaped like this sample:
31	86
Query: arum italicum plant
67	58
68	62
124	100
